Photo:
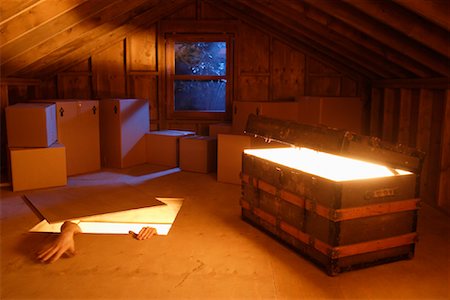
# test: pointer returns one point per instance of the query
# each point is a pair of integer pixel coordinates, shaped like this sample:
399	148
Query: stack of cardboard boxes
37	159
55	138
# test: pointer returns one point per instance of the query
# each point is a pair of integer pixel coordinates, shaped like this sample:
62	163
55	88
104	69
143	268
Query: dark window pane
200	95
200	58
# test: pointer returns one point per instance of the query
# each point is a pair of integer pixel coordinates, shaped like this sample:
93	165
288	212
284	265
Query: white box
123	125
198	153
78	125
229	155
163	146
31	125
36	168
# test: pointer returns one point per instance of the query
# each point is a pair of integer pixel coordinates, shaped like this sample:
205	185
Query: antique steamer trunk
341	213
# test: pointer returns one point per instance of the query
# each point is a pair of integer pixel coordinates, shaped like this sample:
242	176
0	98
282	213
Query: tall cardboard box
31	125
229	155
123	125
78	125
37	168
217	128
198	154
338	112
163	147
286	110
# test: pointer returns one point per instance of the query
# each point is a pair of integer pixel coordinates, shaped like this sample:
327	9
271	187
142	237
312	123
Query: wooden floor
210	253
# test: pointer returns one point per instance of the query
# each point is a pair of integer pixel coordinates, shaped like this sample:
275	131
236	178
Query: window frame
171	76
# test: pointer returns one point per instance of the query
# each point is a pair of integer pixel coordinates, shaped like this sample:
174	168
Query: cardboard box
229	155
337	112
78	125
198	153
287	110
36	168
163	146
31	124
123	125
215	129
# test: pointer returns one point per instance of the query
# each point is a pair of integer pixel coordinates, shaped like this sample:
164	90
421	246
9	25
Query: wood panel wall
266	69
418	117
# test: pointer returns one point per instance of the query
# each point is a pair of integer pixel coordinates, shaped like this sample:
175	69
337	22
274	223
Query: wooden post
444	176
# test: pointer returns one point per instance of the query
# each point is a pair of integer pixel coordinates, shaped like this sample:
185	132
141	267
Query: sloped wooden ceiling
41	37
375	39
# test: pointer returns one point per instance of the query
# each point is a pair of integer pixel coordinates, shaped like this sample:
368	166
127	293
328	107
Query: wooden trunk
339	224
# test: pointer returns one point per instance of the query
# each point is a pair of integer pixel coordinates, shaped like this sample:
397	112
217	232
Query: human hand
64	244
144	233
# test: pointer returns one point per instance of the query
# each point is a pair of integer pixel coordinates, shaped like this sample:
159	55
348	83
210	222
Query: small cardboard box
215	129
31	125
198	153
36	168
163	146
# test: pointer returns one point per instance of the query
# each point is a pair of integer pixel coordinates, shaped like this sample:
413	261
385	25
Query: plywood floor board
160	217
70	203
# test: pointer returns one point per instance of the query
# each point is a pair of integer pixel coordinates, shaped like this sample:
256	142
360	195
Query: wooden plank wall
418	117
130	68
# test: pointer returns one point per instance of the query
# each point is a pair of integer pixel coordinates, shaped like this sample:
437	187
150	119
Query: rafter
90	28
436	11
33	17
387	54
56	26
383	34
84	51
329	40
11	8
282	33
415	27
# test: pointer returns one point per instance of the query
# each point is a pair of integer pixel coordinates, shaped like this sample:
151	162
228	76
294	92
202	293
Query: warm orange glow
160	217
329	166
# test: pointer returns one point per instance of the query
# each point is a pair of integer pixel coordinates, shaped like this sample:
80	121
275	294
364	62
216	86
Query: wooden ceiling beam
383	34
33	17
281	32
335	41
390	55
9	9
411	25
161	10
436	11
69	40
55	26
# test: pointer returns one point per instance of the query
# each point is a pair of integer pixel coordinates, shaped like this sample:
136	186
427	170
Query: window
199	76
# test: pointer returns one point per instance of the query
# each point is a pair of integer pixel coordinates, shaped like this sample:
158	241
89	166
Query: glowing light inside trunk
329	166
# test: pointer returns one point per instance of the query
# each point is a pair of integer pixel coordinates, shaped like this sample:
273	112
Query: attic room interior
261	149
